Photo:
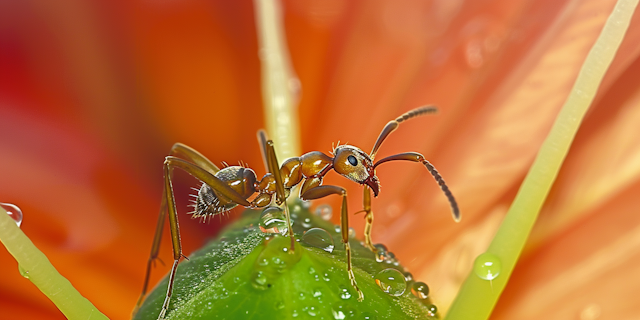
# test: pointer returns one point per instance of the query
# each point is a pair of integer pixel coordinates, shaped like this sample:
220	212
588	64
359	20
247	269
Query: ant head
355	165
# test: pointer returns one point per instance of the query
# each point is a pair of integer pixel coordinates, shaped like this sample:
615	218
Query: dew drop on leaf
391	281
420	290
273	220
318	238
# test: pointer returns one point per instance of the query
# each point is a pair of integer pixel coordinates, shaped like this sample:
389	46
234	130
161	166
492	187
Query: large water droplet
273	220
420	290
319	238
487	266
14	212
391	281
324	211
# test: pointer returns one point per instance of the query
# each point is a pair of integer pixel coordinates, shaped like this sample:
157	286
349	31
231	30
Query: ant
224	189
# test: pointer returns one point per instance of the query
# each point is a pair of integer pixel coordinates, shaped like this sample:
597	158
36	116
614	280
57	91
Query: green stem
280	87
477	297
36	267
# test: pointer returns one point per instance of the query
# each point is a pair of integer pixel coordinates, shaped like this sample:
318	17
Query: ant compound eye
352	160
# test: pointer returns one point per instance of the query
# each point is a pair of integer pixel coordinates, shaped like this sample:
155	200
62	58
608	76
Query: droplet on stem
487	266
14	212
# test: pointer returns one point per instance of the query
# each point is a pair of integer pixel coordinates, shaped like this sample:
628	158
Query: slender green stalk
36	267
280	86
477	296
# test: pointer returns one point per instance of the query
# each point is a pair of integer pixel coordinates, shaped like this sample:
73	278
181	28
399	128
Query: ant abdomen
209	202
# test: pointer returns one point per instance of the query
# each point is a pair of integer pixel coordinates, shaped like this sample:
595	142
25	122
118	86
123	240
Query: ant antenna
394	124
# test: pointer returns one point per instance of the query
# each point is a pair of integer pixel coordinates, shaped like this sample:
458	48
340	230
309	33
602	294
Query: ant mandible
224	189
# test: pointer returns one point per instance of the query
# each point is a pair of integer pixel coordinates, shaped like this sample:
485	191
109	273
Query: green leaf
248	274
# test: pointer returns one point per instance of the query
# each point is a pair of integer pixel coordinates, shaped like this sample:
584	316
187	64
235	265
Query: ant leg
416	157
321	192
184	151
155	248
203	175
191	154
274	169
368	218
262	140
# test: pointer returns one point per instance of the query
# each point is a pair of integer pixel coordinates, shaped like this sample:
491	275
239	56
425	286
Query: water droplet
391	281
420	290
352	232
324	211
312	311
344	293
14	212
343	311
274	260
280	305
23	272
306	223
319	238
317	293
381	251
408	277
369	316
337	229
273	220
259	280
487	266
432	310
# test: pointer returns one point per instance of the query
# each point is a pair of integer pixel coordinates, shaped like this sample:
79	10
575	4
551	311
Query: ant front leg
192	155
212	181
368	218
321	192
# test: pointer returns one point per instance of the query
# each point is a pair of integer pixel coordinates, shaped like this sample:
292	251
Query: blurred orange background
93	95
